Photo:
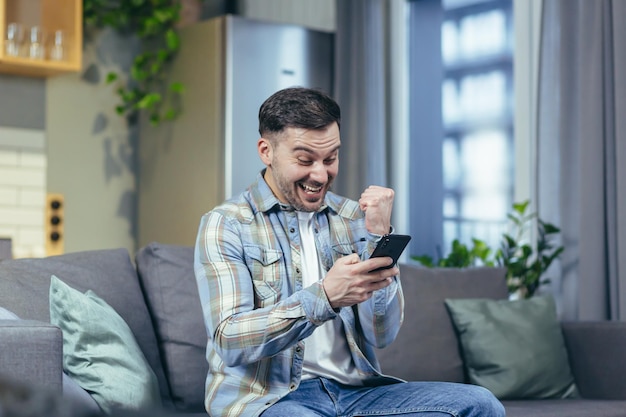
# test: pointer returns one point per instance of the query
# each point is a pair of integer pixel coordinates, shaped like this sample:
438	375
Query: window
477	100
472	144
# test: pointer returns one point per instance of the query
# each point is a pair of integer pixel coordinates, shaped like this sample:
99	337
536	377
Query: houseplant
525	263
153	22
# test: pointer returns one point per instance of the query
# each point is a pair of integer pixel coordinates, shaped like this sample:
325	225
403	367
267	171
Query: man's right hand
350	281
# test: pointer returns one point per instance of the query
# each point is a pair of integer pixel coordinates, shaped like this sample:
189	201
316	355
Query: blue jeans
322	397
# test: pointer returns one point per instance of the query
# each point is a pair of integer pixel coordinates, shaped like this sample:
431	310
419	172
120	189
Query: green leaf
172	40
111	76
155	119
177	87
425	260
550	229
521	207
149	100
170	114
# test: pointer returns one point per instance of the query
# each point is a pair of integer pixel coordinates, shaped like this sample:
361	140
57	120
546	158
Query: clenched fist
377	203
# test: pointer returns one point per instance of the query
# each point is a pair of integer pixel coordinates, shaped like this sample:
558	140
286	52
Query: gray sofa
156	295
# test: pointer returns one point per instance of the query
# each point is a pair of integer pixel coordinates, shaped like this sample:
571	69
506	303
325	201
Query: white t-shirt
326	351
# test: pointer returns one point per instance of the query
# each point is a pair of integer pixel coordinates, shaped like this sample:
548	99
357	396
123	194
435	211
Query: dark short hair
297	107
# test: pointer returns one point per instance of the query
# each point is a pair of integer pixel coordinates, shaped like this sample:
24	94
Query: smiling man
291	301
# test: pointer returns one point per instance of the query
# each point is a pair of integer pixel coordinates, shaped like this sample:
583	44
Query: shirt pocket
265	268
346	248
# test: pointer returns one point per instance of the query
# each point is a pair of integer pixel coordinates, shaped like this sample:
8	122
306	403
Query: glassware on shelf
36	48
57	48
14	38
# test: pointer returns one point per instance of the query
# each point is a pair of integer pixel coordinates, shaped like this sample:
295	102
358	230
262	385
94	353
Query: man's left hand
377	203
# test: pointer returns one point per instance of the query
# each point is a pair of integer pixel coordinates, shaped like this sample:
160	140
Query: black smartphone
391	246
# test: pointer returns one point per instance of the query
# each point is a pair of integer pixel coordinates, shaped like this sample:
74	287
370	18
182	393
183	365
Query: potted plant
525	263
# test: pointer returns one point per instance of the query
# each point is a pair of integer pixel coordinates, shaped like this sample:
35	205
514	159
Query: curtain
360	89
581	153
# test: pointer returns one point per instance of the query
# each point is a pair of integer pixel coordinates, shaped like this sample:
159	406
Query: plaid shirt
248	270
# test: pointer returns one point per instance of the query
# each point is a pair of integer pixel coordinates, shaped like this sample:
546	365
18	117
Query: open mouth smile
310	190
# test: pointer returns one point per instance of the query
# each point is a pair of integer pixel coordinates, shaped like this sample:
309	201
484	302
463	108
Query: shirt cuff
316	305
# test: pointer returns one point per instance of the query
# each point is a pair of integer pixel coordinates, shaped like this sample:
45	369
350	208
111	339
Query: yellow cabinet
41	37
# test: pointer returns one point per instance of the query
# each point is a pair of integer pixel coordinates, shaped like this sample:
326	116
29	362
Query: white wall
91	157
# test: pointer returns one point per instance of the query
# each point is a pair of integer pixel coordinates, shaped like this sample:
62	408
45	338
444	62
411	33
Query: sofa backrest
426	348
25	286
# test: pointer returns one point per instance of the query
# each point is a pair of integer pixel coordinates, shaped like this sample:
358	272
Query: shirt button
292	230
298	270
292	387
298	349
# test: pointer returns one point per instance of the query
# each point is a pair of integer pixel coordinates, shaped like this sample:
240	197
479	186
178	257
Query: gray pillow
100	352
169	285
513	348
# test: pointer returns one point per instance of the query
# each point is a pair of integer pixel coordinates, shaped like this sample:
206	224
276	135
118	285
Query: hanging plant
154	23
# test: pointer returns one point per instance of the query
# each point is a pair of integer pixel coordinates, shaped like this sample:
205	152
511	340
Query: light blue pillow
100	352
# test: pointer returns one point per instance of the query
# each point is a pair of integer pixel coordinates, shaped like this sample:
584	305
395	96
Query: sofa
155	293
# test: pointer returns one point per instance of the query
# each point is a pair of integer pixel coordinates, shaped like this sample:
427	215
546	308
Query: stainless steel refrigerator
229	65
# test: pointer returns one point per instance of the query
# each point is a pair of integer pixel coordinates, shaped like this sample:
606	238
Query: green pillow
513	348
100	352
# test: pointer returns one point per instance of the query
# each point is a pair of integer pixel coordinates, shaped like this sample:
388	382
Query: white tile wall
23	164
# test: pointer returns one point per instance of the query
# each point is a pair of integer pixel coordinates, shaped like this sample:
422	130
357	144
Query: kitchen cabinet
41	38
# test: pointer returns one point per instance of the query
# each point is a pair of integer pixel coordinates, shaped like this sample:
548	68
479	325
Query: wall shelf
51	15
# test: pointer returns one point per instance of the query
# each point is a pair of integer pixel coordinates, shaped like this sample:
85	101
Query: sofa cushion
596	353
514	348
168	280
81	402
25	285
100	351
562	408
426	348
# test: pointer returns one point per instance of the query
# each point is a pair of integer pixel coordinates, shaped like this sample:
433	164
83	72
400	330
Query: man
291	307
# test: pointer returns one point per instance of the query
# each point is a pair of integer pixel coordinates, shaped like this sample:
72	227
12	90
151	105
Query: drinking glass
56	49
14	39
36	48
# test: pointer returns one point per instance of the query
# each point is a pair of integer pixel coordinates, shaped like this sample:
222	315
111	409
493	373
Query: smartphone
391	246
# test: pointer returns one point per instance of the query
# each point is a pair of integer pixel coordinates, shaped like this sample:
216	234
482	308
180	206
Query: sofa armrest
596	355
31	352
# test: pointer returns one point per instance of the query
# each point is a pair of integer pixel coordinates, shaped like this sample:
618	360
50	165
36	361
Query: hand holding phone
391	246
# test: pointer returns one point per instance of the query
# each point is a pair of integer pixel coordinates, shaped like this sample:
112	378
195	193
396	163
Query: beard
294	191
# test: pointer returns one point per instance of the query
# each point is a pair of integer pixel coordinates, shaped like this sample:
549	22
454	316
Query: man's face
301	165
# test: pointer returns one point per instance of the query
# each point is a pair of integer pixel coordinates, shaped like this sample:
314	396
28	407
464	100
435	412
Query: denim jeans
323	397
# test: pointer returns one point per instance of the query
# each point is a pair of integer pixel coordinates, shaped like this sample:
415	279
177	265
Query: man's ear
264	147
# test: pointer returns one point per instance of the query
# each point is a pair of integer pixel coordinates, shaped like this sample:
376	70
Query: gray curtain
361	91
581	152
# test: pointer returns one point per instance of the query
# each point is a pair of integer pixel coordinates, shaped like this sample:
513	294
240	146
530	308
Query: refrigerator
229	66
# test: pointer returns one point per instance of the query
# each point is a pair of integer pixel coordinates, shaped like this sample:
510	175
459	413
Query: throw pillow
100	352
171	293
513	348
